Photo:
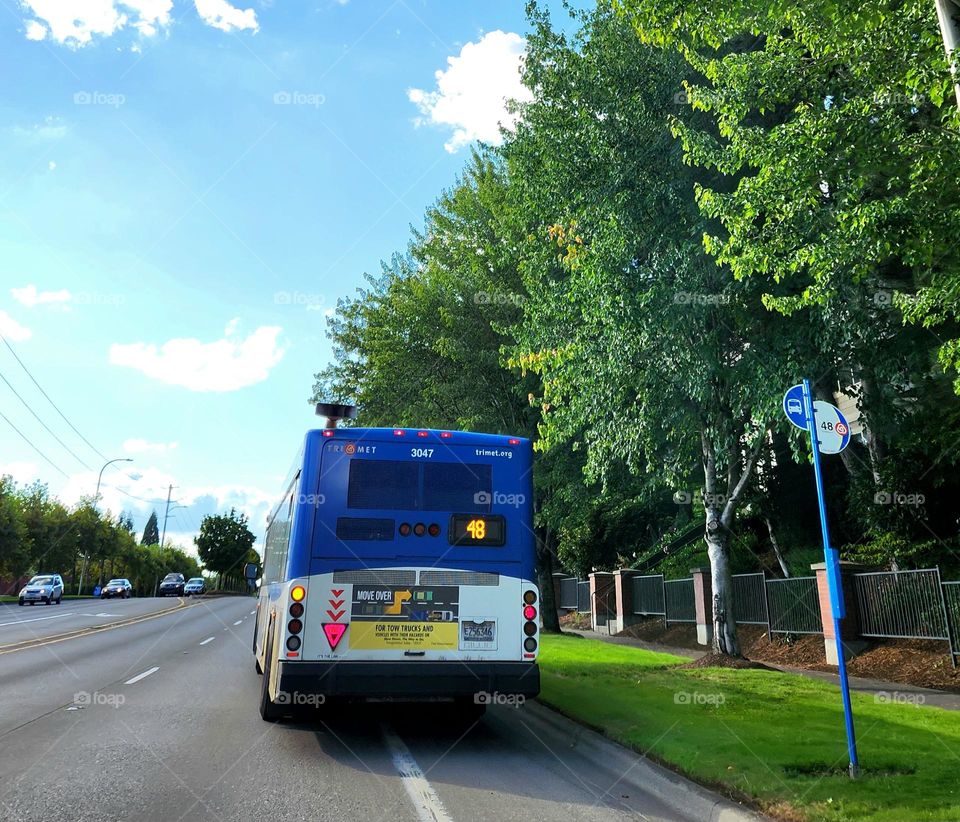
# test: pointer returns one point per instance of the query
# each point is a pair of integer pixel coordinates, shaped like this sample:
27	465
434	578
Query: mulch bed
724	661
923	663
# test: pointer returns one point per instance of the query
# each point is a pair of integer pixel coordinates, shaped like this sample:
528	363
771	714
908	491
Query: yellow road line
93	629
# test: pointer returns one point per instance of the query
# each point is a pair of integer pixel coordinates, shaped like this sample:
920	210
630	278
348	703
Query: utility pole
948	13
166	513
96	500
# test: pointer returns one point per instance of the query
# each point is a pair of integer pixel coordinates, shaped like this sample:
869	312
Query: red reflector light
293	653
434	529
334	632
404	529
445	435
423	434
398	432
513	441
328	433
529	612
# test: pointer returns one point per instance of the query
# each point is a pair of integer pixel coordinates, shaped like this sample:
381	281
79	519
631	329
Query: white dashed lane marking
208	639
428	806
144	675
238	622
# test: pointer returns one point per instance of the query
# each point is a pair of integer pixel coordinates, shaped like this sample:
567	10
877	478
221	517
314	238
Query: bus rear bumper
385	680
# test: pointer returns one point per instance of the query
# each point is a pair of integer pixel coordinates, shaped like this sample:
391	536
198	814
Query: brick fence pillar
623	585
703	604
850	625
601	583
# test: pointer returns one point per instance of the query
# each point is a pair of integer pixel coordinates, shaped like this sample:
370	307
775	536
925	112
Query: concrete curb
677	792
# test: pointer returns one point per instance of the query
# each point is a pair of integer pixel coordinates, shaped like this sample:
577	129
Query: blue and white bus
399	564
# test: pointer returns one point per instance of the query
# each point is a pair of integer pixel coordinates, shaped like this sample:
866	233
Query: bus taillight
530	623
297	593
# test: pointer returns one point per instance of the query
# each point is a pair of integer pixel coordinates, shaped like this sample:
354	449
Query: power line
27	440
45	394
47	427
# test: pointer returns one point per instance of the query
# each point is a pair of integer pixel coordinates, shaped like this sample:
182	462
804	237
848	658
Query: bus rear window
393	485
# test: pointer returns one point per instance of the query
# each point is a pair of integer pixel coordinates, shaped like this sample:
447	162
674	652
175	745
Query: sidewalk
894	691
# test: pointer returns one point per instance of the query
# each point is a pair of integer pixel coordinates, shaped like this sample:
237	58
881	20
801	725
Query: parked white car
45	588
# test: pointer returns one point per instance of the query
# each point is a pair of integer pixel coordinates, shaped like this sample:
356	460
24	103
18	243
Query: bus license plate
476	635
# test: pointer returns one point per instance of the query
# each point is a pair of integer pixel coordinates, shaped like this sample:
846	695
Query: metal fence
889	604
794	606
568	594
951	601
901	604
749	595
785	606
648	595
583	597
678	600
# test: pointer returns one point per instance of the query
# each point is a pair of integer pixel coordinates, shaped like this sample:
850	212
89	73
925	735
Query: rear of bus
418	578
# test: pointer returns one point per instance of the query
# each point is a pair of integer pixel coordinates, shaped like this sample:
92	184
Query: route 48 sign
833	430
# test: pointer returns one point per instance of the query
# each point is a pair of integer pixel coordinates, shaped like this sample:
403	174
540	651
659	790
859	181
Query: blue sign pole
832	560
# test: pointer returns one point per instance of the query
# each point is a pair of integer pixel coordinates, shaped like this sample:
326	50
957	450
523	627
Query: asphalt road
156	719
26	623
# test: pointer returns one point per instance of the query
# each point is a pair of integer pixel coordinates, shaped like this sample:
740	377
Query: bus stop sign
833	430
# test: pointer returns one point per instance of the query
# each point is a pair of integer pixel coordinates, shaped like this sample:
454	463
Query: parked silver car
45	588
195	585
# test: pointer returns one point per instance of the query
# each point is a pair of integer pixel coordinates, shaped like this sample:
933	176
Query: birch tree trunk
724	628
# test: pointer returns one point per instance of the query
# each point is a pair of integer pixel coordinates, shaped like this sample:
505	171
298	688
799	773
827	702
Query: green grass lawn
10	598
777	739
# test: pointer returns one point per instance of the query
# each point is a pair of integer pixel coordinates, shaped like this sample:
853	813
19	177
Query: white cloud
31	297
23	473
52	128
78	21
9	327
36	30
140	446
221	15
471	94
227	364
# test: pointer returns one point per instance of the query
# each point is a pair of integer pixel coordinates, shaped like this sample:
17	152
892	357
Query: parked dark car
172	585
117	588
45	588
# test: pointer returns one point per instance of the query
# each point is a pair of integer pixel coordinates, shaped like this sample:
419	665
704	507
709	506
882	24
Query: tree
648	350
224	541
445	310
15	541
151	531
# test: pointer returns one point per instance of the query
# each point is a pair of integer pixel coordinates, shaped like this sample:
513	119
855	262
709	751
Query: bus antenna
334	412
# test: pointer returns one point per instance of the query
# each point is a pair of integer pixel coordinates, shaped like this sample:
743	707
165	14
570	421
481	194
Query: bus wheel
269	711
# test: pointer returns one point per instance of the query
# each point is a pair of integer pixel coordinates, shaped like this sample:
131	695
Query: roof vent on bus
334	412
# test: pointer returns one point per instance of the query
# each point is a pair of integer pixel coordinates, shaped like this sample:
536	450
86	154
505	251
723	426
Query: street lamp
96	499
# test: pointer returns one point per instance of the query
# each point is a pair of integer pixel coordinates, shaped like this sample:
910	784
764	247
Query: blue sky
186	188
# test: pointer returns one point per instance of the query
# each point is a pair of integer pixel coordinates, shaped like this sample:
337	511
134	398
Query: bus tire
269	711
